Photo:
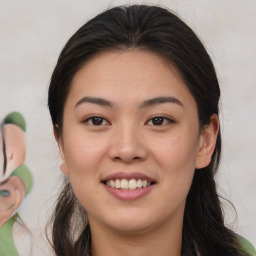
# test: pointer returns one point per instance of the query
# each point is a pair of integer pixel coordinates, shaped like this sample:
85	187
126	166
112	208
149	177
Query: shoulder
247	246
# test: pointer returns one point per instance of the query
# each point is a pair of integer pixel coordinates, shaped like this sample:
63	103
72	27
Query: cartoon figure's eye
5	193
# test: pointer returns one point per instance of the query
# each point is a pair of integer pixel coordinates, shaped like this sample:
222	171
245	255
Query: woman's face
131	141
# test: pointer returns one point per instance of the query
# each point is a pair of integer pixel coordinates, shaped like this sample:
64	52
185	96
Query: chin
130	228
130	222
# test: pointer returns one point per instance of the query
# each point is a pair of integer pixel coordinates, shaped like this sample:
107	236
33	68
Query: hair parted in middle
158	30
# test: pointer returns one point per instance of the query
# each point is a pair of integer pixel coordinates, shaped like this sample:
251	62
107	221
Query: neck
157	242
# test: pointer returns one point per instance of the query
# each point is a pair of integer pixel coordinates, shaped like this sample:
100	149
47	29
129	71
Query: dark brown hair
157	30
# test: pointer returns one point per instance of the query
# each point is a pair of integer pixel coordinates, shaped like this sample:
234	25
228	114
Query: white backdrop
32	33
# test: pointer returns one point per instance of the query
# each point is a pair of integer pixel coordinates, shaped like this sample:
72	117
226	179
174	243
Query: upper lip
128	176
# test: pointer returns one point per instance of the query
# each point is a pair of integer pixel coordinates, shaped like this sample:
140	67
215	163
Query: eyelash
89	120
166	120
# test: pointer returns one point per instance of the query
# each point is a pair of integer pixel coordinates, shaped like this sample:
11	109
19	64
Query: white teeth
117	184
139	183
112	183
125	184
132	184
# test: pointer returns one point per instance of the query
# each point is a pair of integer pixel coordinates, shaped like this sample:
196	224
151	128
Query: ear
207	143
12	192
63	165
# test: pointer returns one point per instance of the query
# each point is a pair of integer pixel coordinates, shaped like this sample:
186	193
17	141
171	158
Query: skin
12	190
128	140
15	146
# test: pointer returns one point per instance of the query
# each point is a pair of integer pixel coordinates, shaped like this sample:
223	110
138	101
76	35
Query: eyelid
166	118
88	118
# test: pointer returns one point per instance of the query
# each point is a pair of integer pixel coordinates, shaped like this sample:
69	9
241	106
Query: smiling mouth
125	184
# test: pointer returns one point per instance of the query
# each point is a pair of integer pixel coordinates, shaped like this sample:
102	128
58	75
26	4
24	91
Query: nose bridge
127	143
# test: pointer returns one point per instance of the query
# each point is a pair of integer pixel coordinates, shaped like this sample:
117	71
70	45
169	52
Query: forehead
128	75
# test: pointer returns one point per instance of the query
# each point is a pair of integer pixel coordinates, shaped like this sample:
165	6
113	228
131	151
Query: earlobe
63	167
207	143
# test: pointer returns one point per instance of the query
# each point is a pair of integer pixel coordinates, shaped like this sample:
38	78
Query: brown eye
159	120
96	121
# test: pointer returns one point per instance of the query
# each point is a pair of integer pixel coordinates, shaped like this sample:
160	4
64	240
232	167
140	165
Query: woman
134	104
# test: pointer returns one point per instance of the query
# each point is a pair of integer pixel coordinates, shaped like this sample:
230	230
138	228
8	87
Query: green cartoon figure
15	178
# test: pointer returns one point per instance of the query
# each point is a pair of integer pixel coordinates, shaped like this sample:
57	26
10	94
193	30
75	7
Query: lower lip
129	194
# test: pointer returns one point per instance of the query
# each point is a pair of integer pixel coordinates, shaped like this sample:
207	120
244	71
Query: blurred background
32	34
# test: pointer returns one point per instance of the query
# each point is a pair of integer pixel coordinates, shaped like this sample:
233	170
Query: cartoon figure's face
7	195
12	155
12	192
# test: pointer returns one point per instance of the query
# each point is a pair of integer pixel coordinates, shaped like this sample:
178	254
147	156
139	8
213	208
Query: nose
127	145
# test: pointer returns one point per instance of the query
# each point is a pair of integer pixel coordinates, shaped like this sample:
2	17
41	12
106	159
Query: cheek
176	157
83	155
176	152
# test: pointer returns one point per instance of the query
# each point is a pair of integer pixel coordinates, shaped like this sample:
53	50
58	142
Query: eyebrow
98	101
144	104
160	100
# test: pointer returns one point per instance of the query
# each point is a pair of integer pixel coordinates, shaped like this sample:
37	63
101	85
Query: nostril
126	158
117	158
127	153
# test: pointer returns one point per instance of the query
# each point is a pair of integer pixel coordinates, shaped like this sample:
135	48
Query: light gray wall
32	34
